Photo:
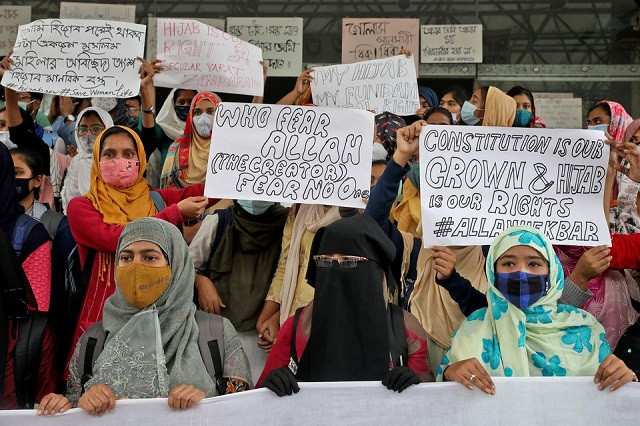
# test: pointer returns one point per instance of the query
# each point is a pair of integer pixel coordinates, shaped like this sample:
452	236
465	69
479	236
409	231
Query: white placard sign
201	57
450	43
109	12
479	181
560	113
11	17
388	84
152	33
79	58
290	154
279	38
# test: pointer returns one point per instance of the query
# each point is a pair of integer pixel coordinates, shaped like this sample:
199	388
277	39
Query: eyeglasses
324	261
132	109
96	129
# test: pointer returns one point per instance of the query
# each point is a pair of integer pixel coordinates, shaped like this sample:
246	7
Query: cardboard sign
152	33
560	113
450	44
11	17
109	12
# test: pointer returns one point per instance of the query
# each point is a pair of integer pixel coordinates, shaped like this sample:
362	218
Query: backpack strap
27	357
21	230
51	220
224	219
87	268
398	347
91	345
211	344
293	360
158	201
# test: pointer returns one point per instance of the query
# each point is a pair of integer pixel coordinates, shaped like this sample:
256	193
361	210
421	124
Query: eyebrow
511	256
144	251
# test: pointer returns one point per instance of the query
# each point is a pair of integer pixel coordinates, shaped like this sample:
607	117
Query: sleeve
280	352
174	196
70	186
463	293
236	368
24	137
418	351
625	251
200	247
149	140
278	277
572	295
47	373
65	131
74	386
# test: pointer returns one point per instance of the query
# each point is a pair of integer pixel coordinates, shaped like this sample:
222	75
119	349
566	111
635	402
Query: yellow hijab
499	109
408	213
120	206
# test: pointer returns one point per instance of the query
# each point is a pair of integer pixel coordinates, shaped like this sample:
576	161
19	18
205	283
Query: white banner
478	181
450	43
80	58
290	154
279	38
518	401
201	57
11	17
109	12
379	85
152	33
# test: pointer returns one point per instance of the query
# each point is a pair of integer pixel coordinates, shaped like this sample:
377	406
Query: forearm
468	298
289	99
269	310
147	96
13	110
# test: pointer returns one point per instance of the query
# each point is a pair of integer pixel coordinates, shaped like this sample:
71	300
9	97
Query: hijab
9	207
387	126
120	206
349	337
632	128
429	95
544	339
619	119
499	109
84	159
168	120
153	370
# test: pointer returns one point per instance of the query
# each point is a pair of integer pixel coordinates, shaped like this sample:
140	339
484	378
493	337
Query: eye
535	264
124	258
507	263
151	258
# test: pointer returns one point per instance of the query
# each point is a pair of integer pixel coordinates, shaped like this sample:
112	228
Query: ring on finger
473	376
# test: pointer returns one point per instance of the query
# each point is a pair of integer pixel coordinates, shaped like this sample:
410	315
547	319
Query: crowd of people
122	280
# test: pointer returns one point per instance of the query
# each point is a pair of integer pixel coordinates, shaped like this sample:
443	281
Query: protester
452	100
525	106
387	125
428	99
472	111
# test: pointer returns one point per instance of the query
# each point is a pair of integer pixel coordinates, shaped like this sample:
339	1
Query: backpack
210	343
398	347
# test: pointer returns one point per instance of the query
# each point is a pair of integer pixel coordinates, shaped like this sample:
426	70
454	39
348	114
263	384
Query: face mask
23	105
467	113
22	188
182	111
454	116
129	121
414	175
523	118
601	127
255	207
119	173
88	140
521	288
203	124
141	285
4	138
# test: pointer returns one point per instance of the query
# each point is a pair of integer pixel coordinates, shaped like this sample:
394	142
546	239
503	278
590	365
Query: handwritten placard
152	33
279	38
560	113
290	154
380	85
450	43
479	181
109	12
80	58
364	39
201	57
11	17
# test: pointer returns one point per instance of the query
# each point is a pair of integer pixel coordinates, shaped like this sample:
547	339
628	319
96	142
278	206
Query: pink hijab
619	120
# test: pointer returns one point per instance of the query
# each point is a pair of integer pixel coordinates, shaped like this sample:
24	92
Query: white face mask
203	124
87	140
4	138
454	115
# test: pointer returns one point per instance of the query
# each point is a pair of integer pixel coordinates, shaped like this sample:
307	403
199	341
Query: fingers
601	368
275	384
184	396
62	405
52	404
626	378
612	374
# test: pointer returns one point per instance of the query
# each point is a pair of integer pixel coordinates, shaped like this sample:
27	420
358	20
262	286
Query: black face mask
182	111
22	188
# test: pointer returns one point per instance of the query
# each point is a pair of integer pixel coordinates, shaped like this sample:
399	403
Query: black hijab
349	336
9	210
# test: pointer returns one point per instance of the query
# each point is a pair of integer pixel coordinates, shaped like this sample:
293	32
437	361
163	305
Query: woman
624	218
525	331
499	109
151	313
428	99
525	106
609	117
118	195
387	125
471	112
344	333
91	122
187	157
452	100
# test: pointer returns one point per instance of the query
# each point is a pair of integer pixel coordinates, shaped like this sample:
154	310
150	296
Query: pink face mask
119	173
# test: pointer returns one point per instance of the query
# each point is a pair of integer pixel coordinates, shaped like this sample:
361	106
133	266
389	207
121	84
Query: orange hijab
120	206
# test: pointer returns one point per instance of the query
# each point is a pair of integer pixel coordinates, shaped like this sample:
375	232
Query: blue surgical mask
521	288
255	207
23	105
182	111
523	118
601	127
467	113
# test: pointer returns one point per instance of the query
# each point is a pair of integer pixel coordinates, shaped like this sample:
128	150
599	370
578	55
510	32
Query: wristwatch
151	110
70	117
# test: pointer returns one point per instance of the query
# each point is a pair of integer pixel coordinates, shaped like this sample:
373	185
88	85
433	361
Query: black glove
281	381
400	378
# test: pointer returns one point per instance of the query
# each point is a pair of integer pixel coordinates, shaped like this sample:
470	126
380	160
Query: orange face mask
141	285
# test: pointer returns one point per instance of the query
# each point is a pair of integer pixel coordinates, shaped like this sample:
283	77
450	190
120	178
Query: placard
364	39
451	44
379	85
479	181
11	17
79	58
200	57
290	154
279	38
560	113
109	12
152	33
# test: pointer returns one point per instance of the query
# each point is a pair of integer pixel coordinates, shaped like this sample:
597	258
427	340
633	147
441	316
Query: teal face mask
414	175
255	207
523	118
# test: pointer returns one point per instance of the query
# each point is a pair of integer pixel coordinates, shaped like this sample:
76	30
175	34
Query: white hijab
168	120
